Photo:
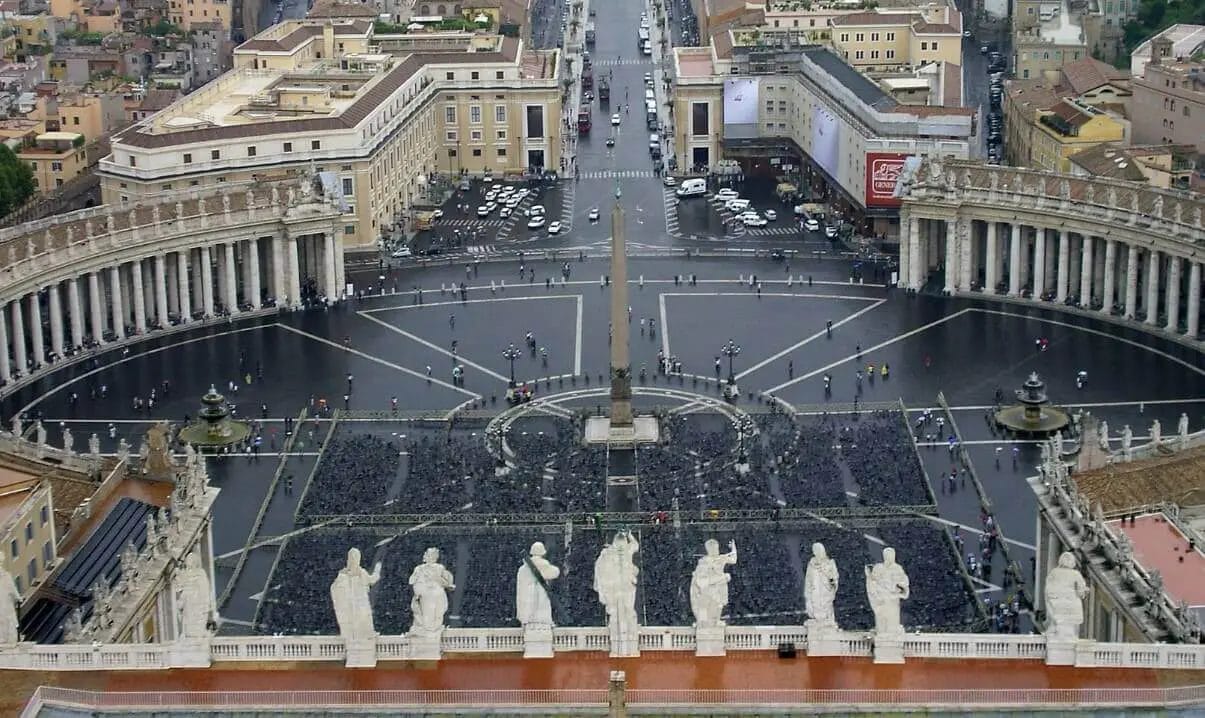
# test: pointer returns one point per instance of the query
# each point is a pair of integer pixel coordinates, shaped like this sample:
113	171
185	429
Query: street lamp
730	350
512	353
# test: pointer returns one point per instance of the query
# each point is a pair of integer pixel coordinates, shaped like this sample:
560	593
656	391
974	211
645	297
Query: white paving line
1070	405
664	327
457	302
867	350
813	337
577	346
382	362
436	348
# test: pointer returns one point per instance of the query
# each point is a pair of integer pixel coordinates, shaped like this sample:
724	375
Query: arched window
424	10
443	10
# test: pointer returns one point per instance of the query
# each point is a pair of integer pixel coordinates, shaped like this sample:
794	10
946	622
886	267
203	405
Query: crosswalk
671	213
481	249
568	199
622	61
783	231
469	222
617	174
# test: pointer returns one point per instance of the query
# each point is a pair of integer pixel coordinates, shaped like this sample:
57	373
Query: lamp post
512	353
730	350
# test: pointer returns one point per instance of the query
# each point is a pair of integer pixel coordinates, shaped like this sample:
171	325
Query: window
32	570
891	54
535	122
288	147
700	119
874	54
501	134
133	161
215	154
499	75
475	75
501	151
1186	110
475	135
475	114
859	55
251	150
349	229
451	153
315	144
45	514
859	37
1173	106
891	37
56	166
47	555
20	588
167	187
28	531
874	37
348	187
477	152
924	46
450	114
499	113
12	548
452	135
845	37
450	76
188	158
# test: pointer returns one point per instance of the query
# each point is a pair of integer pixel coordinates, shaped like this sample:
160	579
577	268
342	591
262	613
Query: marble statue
1156	432
431	583
158	455
89	230
1127	438
349	594
886	586
201	209
709	584
179	210
110	223
1090	194
1196	217
1041	187
31	249
275	196
307	186
1104	435
1182	428
532	602
226	203
291	196
1157	207
132	219
820	588
68	440
12	253
194	598
156	216
1178	212
994	181
1134	201
39	432
10	600
123	449
1112	197
1065	189
18	430
615	578
1065	592
94	444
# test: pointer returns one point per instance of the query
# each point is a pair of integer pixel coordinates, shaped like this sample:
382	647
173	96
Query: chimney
328	40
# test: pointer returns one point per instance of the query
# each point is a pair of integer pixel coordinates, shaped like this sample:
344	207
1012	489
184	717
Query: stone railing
852	644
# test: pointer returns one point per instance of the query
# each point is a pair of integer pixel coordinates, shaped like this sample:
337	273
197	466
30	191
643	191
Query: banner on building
883	170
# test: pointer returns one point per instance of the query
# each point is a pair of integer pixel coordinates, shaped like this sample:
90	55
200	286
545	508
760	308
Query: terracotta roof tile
1089	73
876	18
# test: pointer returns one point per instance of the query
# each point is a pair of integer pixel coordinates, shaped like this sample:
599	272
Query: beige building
1163	166
887	39
184	13
1168	105
384	113
27	526
55	158
1068	128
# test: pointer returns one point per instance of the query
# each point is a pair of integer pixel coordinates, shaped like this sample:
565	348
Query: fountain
213	428
1032	415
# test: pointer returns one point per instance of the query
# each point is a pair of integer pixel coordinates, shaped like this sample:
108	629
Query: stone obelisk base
709	641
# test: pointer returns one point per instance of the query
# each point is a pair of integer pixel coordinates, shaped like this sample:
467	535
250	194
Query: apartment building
1163	166
27	528
886	39
1182	41
184	14
55	158
1068	128
385	114
1168	105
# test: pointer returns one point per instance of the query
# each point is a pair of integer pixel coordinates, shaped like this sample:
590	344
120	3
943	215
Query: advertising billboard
882	172
826	141
740	108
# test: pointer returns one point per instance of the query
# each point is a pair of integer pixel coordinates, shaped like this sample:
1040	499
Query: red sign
882	172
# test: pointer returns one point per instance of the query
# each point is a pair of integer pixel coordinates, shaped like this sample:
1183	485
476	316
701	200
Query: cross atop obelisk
621	363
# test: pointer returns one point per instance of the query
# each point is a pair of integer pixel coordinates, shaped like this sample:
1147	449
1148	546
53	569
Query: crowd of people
878	450
941	596
354	476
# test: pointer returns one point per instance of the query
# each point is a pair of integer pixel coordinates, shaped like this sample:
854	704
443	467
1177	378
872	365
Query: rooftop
1087	74
863	87
1179	479
694	62
1064	28
1160	546
1108	160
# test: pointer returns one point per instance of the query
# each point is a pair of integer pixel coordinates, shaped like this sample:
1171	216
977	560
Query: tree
16	181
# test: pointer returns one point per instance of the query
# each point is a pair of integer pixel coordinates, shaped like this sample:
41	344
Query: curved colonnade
1119	248
85	280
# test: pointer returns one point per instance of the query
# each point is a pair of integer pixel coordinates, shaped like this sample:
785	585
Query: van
649	96
696	187
736	206
647	48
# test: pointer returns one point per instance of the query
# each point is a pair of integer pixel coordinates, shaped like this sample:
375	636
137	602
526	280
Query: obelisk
621	363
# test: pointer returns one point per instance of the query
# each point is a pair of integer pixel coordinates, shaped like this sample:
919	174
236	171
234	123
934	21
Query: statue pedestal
191	653
626	646
425	646
537	641
361	652
709	641
1060	651
889	648
823	639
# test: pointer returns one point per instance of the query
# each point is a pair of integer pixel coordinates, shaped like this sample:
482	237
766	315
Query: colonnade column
117	304
1085	273
279	288
952	255
1064	268
1194	299
19	338
6	369
231	298
294	272
161	290
182	286
138	289
56	321
206	282
964	229
1039	263
329	279
340	276
905	249
1131	303
1014	261
1109	297
1173	293
1152	286
77	312
98	325
991	273
35	330
918	263
253	273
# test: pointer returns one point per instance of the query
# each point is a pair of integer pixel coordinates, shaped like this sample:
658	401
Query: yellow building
887	39
1070	127
34	33
183	13
1024	102
385	113
55	158
27	527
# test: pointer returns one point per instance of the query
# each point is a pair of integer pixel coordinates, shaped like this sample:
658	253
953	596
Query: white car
771	215
483	211
593	214
737	206
753	220
615	119
437	214
830	231
491	206
669	181
554	228
491	196
514	202
536	210
727	194
811	225
401	252
535	222
523	192
505	212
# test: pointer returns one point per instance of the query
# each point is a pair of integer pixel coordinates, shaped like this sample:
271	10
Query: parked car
554	228
593	216
770	215
753	220
536	222
536	210
401	252
615	119
669	181
811	225
483	211
830	231
727	193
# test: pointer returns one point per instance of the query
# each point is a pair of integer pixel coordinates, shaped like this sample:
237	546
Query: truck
583	121
604	91
590	33
587	78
